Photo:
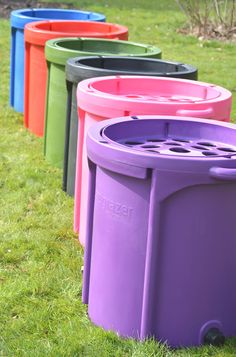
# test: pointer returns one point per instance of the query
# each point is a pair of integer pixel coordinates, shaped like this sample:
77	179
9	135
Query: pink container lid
106	95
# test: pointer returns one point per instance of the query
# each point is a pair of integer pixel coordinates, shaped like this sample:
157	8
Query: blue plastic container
19	18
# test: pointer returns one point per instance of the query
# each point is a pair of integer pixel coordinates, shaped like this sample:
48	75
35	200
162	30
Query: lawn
41	313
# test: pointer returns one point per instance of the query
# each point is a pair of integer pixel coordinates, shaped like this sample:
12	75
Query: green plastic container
57	52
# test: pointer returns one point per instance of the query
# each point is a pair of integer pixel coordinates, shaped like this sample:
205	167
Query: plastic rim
55	53
87	93
36	33
75	65
19	18
102	147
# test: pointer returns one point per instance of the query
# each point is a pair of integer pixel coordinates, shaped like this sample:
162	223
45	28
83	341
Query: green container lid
61	49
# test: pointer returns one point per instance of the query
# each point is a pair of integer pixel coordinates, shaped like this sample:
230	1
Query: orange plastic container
36	35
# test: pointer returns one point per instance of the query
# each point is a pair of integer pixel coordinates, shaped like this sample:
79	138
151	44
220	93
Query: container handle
200	113
223	174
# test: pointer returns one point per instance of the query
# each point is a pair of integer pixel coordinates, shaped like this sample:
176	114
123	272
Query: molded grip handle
223	174
201	113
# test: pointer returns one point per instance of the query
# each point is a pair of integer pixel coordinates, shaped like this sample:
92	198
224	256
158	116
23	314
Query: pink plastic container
109	97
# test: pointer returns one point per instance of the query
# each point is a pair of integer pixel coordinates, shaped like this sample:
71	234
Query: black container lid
81	68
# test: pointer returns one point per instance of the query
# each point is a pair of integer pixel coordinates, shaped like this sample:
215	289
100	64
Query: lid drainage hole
206	144
133	96
209	153
180	150
156	140
181	140
103	142
226	149
154	151
199	147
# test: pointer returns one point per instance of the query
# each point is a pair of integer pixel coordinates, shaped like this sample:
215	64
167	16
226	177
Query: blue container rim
20	17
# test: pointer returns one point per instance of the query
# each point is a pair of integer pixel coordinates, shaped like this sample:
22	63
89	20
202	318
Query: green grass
41	313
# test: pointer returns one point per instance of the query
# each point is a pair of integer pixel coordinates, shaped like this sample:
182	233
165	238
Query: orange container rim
41	31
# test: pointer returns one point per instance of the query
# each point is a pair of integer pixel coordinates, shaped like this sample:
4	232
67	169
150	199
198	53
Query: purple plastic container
160	253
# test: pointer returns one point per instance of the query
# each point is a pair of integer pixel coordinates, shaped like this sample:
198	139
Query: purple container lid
131	146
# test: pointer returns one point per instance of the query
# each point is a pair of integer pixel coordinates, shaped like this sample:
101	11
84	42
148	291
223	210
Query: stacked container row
154	188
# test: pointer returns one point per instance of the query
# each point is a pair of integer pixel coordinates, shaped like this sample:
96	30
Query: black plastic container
78	69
